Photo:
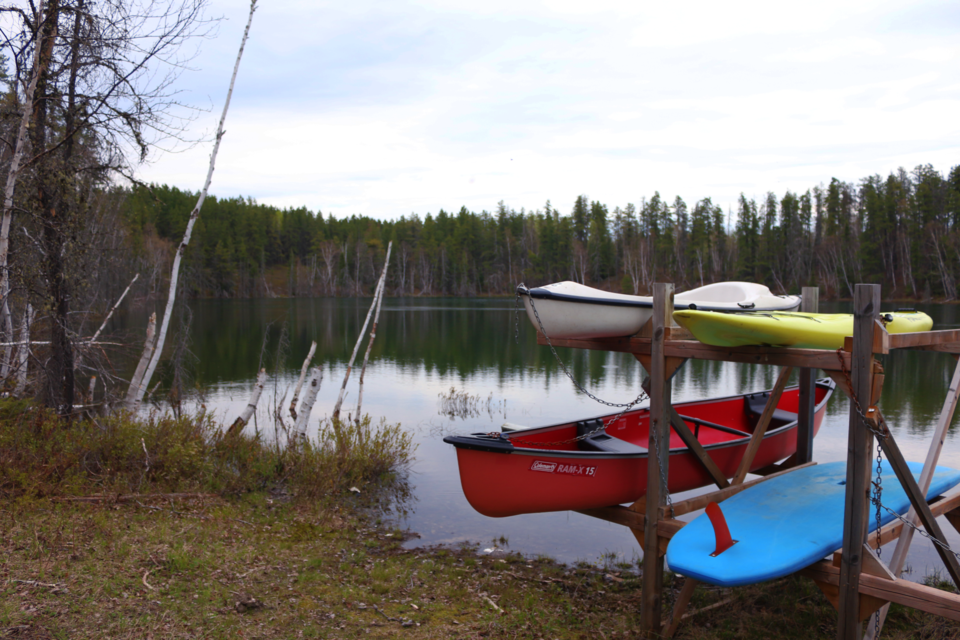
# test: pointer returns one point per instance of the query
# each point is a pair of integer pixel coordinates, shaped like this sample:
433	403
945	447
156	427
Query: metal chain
626	406
664	486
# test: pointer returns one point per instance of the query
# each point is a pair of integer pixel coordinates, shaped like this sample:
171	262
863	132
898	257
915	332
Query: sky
391	108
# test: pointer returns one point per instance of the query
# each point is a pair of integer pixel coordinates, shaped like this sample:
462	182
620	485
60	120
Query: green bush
40	454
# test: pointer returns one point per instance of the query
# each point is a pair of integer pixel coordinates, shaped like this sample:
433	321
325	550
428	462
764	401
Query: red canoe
531	471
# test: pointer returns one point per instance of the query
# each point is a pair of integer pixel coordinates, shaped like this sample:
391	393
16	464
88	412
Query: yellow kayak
786	329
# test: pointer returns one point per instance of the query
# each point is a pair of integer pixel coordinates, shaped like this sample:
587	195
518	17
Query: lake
427	346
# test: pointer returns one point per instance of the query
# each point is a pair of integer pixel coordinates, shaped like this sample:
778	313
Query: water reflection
426	346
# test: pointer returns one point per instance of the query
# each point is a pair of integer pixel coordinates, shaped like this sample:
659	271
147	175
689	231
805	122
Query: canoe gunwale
483	441
540	293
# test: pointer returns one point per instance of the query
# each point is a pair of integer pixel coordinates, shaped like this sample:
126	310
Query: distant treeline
902	231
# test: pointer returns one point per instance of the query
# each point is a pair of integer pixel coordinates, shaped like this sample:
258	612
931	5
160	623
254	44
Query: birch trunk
13	173
356	347
303	374
24	351
135	395
366	356
131	401
114	308
309	398
247	412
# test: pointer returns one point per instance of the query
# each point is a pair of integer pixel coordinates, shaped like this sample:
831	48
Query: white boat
571	310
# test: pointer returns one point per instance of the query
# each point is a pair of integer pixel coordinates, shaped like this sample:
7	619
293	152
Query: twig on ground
55	586
147	584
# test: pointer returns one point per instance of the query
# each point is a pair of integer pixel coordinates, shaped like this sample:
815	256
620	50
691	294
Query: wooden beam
701	501
866	305
953	517
670	369
657	461
808	388
696	448
680	606
948	339
825	359
757	438
919	501
910	594
881	339
691	441
926	476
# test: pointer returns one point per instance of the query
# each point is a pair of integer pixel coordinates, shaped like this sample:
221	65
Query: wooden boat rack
856	582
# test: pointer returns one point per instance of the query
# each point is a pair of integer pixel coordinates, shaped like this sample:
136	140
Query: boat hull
799	330
515	480
572	310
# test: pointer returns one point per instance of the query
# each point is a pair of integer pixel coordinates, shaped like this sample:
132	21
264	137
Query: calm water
425	347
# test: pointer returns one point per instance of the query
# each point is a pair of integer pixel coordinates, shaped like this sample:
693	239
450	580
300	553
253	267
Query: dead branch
113	308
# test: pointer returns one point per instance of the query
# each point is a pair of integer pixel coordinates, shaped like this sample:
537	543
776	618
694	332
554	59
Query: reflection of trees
453	338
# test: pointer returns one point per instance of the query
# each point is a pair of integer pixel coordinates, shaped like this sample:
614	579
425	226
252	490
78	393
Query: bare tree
103	98
171	298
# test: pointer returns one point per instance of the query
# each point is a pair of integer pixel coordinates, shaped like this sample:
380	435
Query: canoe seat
754	404
602	441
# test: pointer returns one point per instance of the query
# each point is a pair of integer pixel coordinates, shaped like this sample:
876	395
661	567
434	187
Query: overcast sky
389	108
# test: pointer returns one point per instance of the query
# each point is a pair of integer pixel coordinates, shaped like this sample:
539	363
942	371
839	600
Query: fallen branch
137	496
46	585
147	584
493	604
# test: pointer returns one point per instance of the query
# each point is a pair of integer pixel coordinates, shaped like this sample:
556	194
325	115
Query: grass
274	544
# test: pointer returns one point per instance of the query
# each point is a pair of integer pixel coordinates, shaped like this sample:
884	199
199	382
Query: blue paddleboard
785	524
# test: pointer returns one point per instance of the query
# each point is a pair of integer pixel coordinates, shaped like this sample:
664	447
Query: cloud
385	108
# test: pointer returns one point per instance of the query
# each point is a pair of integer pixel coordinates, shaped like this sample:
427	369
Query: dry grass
283	549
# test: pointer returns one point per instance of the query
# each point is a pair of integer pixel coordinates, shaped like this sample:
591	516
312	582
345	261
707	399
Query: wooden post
866	305
657	462
808	396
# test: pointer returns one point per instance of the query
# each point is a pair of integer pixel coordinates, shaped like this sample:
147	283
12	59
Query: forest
902	231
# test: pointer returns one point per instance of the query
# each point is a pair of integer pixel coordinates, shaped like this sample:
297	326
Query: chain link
603	425
664	486
654	431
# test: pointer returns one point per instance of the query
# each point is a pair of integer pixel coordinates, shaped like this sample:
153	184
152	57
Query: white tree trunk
131	401
366	356
114	308
356	347
13	173
309	398
303	374
137	393
247	412
24	351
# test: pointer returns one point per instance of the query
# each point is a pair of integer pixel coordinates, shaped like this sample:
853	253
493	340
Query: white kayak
571	310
